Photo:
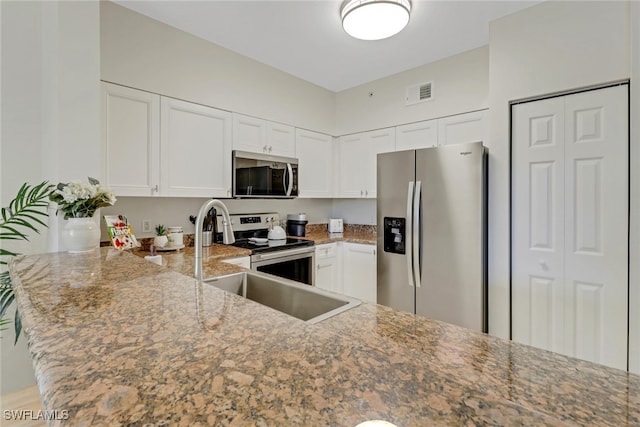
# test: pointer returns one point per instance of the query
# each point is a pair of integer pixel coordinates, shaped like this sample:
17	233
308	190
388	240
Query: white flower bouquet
79	200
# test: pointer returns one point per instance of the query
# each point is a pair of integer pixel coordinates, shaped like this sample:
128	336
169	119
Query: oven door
294	264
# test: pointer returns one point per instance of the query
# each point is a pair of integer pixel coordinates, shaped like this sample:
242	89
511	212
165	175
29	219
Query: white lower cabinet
359	274
243	261
328	275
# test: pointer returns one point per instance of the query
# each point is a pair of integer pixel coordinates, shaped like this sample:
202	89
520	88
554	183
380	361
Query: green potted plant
25	213
161	239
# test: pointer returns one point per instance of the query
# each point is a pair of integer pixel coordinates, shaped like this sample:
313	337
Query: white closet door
596	231
538	218
570	225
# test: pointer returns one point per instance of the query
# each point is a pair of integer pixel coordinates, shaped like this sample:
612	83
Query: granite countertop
213	258
354	233
321	237
117	340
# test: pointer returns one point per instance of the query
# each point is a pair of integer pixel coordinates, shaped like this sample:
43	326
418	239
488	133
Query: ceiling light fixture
375	19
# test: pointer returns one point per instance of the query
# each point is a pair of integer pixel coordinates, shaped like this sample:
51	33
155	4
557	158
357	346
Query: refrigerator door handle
416	234
408	232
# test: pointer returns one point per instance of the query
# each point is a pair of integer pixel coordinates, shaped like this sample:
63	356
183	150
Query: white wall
50	118
143	53
355	211
551	47
460	84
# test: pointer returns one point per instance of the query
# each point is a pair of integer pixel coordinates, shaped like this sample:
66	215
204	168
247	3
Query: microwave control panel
394	235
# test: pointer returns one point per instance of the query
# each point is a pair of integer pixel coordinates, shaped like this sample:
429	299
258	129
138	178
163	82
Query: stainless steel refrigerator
432	231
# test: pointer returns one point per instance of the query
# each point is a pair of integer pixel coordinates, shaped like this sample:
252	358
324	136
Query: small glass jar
175	236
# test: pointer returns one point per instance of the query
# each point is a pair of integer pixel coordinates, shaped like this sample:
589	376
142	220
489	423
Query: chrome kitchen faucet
227	231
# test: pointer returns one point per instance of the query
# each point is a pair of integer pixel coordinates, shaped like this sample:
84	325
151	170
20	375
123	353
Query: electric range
292	258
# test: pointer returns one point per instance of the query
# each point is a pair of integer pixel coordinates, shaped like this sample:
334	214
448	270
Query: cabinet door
315	157
130	140
359	271
417	135
379	141
249	134
461	128
353	155
196	150
281	139
243	261
357	161
327	268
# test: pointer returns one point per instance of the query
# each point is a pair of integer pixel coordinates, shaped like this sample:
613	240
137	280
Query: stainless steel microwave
264	176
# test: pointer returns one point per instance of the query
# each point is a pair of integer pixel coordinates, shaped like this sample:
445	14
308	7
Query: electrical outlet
146	226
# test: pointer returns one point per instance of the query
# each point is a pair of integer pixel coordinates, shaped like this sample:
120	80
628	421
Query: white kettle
277	233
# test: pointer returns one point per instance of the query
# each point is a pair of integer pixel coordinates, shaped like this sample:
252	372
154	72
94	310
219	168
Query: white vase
81	235
160	241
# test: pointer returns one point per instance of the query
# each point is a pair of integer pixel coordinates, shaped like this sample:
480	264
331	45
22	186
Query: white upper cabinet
357	161
417	135
262	136
158	146
195	150
249	134
351	158
130	140
315	156
381	141
281	139
461	128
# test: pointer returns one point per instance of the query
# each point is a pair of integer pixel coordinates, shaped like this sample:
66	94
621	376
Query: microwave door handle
284	182
290	187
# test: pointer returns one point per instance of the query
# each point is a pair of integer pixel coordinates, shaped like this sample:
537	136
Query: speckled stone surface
116	340
213	256
354	233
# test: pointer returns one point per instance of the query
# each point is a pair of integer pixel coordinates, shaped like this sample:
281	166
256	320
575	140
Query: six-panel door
570	189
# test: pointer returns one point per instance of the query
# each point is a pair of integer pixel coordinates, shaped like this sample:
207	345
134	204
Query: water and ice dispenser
394	235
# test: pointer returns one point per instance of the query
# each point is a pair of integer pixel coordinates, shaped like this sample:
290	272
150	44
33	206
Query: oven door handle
282	254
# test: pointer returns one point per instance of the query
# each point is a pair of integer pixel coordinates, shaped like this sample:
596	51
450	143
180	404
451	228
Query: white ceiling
305	37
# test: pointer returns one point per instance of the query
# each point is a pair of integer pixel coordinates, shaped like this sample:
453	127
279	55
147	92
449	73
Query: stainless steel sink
298	300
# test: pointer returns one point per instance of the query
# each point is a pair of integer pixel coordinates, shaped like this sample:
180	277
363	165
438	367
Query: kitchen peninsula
118	340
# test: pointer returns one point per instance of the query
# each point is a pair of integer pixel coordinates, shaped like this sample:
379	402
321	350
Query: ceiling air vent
419	93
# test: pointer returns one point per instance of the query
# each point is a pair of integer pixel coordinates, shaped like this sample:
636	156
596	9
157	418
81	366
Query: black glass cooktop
257	241
272	245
